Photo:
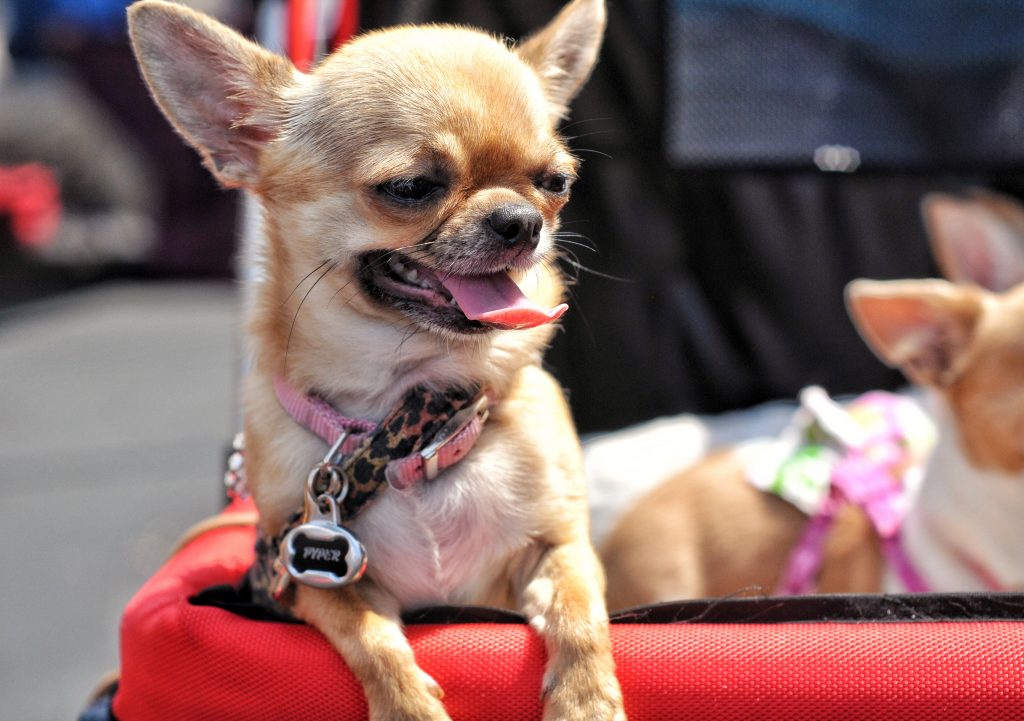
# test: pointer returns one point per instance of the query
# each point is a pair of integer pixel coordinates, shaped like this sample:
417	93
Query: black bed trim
926	607
873	608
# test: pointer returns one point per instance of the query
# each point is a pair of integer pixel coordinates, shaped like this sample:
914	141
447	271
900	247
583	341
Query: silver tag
321	552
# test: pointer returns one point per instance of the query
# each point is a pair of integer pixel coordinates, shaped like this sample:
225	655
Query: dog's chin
396	281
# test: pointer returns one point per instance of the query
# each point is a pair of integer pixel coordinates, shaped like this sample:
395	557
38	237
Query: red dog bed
189	654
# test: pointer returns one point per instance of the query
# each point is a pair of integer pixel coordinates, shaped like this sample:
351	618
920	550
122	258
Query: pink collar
426	432
447	446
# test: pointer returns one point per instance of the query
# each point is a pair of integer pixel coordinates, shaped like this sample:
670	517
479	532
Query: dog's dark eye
409	190
557	183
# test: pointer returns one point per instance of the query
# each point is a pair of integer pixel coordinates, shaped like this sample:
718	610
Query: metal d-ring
323	480
334	454
327	471
336	488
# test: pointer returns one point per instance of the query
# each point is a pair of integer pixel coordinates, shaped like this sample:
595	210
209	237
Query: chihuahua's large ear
219	90
922	327
977	240
565	51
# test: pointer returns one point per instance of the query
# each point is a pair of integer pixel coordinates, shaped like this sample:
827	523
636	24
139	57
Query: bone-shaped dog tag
321	552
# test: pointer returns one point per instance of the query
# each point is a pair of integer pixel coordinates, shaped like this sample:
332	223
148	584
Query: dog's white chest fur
964	516
446	541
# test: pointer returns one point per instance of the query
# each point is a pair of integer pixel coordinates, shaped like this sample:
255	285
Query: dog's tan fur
507	525
708	532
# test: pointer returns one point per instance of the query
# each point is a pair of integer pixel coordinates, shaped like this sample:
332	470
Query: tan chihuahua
710	532
410	187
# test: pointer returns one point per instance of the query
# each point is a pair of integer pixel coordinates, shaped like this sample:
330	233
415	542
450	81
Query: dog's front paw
421	703
417	700
582	693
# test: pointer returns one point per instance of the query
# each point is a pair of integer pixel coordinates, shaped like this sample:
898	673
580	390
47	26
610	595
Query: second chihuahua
410	187
709	532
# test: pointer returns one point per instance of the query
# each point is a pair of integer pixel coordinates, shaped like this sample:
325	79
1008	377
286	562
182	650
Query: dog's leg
563	597
371	641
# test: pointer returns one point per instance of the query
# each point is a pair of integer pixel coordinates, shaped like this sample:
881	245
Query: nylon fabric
318	416
181	661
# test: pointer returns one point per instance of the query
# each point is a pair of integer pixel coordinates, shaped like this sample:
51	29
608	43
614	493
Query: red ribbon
30	194
303	17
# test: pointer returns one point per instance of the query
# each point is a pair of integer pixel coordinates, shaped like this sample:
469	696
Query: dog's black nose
516	224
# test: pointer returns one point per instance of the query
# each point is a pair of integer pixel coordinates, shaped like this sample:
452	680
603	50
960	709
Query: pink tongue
497	300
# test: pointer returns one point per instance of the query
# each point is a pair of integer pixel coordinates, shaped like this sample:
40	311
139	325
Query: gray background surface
116	406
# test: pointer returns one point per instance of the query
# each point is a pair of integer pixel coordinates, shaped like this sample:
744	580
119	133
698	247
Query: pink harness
869	475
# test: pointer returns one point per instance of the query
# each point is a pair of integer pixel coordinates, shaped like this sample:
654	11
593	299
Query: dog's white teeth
409	275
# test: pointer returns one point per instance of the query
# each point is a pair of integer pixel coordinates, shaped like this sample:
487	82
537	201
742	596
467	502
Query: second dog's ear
565	51
922	327
977	240
219	90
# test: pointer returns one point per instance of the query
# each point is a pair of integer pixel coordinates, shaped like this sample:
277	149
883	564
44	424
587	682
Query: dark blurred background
134	201
744	159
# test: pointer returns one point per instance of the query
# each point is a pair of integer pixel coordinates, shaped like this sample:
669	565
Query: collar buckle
450	431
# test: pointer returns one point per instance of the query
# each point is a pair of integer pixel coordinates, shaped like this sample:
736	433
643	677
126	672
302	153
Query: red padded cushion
181	661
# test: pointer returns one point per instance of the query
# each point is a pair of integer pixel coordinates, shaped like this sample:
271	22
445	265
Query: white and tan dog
410	186
709	532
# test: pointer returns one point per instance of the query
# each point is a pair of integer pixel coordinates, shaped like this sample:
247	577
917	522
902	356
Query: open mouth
462	303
